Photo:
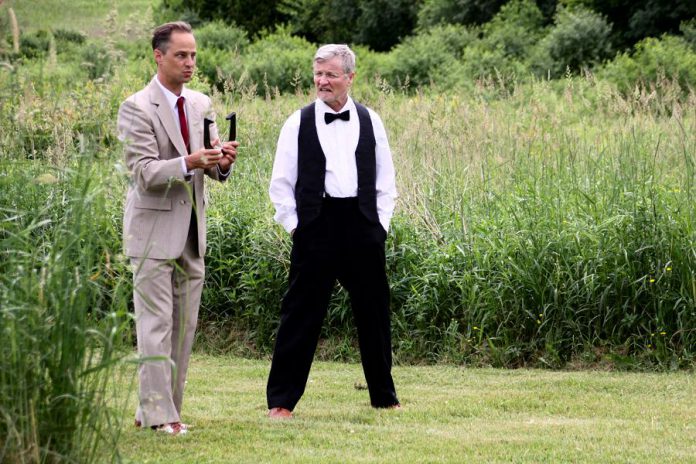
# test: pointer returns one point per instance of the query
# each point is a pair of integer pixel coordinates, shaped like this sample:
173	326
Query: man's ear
158	55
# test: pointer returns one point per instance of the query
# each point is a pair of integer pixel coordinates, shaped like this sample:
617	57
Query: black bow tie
331	117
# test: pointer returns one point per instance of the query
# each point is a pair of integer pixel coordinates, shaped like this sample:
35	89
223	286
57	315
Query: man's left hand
229	155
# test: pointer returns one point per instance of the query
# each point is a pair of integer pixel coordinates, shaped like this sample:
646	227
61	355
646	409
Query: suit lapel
165	115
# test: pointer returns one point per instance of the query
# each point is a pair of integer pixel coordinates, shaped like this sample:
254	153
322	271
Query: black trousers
341	244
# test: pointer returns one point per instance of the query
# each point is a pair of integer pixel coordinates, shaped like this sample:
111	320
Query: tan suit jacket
158	205
165	251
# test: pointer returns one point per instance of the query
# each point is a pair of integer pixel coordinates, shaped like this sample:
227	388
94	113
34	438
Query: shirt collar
168	94
324	108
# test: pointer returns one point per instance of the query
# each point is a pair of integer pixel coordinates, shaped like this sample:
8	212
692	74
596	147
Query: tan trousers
167	295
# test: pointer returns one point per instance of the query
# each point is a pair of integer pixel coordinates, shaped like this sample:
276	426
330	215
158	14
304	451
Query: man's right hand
203	159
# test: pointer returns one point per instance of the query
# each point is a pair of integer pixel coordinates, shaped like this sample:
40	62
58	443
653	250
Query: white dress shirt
338	140
172	98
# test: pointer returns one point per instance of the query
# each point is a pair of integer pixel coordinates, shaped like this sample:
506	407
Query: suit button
183	202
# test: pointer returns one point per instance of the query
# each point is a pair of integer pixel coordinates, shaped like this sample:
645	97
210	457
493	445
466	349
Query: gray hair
329	51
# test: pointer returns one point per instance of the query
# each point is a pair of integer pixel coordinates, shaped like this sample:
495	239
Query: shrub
482	62
652	59
688	29
67	35
635	20
423	58
580	39
434	12
384	23
279	61
219	46
252	15
96	60
220	36
515	29
506	42
379	24
34	45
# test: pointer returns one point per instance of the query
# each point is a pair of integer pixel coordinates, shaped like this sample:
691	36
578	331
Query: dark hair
162	34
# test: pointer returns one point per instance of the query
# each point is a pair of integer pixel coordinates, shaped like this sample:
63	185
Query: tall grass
542	224
64	311
546	226
64	291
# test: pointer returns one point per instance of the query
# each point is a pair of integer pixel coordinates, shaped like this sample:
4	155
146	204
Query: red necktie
182	122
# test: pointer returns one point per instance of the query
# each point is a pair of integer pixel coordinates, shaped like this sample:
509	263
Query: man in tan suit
164	230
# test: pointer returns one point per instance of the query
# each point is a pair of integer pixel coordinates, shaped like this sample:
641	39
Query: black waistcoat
311	167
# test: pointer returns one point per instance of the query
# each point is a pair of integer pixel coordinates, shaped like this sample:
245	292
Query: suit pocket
157	203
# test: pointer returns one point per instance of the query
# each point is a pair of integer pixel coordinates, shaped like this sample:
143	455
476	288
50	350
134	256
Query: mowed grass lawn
450	414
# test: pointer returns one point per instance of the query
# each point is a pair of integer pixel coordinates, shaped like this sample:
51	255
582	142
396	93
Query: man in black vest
333	189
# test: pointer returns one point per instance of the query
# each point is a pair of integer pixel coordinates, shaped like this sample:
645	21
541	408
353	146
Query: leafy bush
96	60
67	35
384	23
653	59
483	62
252	15
635	20
688	29
505	44
515	29
34	45
280	61
219	47
339	19
221	36
434	12
427	57
579	39
379	24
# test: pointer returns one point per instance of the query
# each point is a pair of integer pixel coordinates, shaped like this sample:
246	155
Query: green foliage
219	46
651	61
515	29
96	60
63	313
634	20
338	24
429	57
434	12
254	16
563	199
579	39
502	50
69	36
384	23
378	24
34	45
221	36
688	30
279	61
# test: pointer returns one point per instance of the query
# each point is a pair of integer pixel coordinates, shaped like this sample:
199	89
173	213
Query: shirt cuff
289	222
186	172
